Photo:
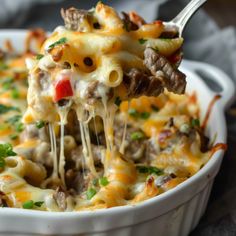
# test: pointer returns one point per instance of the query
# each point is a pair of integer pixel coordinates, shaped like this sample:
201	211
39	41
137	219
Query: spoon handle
183	17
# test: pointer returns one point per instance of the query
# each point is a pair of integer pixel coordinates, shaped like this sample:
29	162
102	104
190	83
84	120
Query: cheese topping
88	138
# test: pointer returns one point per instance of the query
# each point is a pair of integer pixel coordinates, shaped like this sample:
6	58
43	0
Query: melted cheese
113	52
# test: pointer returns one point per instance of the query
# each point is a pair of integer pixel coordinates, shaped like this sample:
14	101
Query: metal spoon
180	21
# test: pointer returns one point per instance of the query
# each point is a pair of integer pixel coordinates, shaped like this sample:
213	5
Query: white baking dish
174	213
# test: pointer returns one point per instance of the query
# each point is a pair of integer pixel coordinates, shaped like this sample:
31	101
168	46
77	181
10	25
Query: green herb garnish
90	193
19	127
14	119
118	101
16	122
40	124
15	93
59	42
195	122
137	135
133	112
30	204
7	83
39	204
5	151
103	181
5	109
144	115
2	162
142	41
39	56
149	170
13	136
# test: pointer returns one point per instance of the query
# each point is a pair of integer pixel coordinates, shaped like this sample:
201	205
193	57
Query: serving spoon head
177	25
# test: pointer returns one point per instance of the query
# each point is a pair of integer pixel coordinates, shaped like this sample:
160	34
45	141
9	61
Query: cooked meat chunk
152	149
78	157
133	149
78	181
3	198
76	20
31	132
128	24
173	79
60	198
139	83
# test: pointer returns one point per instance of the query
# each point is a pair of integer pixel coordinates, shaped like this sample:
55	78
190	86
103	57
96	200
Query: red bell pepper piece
63	89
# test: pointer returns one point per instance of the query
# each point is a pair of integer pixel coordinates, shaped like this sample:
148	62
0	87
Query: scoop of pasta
92	64
98	57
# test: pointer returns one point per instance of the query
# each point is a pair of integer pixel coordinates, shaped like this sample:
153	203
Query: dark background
222	11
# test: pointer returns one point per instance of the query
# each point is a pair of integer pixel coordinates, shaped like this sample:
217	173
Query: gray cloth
204	41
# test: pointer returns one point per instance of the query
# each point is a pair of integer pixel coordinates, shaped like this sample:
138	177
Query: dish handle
217	80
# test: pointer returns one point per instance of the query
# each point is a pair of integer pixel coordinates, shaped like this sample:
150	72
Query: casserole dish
175	212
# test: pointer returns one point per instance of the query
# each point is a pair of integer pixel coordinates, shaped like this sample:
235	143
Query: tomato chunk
63	89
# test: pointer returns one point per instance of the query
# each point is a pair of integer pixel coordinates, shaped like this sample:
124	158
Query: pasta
102	127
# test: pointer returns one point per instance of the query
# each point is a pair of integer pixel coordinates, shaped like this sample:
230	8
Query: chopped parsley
40	124
15	121
15	93
19	127
90	193
195	122
13	136
30	204
5	151
103	181
7	83
149	170
39	56
39	204
134	113
59	42
137	135
142	41
5	109
118	101
144	115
